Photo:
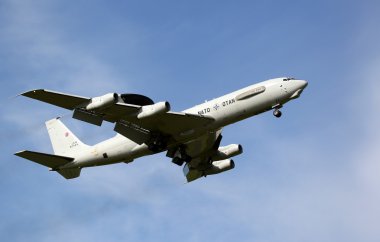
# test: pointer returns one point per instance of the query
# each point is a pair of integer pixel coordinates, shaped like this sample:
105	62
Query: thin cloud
294	192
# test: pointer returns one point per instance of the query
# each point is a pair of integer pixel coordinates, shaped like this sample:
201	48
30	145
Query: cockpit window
288	79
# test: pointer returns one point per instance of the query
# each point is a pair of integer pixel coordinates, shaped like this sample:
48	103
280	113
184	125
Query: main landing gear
180	157
180	160
157	143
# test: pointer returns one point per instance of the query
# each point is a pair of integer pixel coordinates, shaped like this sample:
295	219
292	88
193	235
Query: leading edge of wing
59	99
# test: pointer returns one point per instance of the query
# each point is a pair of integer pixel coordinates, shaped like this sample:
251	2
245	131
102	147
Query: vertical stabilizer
64	142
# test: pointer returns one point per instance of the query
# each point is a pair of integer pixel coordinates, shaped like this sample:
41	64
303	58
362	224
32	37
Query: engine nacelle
102	102
216	167
220	166
153	110
228	151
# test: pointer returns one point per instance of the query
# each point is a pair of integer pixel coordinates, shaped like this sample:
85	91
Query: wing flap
171	123
119	111
134	134
52	161
192	174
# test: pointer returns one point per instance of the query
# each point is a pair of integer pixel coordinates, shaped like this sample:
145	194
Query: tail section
66	148
54	162
64	142
70	173
51	161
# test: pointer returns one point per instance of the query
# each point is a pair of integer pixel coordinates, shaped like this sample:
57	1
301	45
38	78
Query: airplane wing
56	98
201	150
205	156
170	122
124	115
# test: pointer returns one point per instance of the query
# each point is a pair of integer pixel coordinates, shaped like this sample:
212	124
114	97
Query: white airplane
143	128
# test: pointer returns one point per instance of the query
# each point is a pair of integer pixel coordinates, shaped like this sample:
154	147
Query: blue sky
312	175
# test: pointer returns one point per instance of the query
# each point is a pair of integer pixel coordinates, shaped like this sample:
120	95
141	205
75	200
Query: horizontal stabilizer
52	161
70	173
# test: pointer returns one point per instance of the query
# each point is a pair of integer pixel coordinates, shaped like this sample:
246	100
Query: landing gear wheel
178	161
157	147
154	148
157	144
277	113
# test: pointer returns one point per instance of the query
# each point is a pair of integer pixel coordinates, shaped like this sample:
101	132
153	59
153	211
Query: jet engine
220	166
153	110
228	151
214	168
102	101
220	162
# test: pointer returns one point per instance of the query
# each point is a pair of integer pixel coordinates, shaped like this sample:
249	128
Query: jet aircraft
191	138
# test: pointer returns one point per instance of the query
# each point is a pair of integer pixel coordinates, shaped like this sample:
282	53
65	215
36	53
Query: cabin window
288	79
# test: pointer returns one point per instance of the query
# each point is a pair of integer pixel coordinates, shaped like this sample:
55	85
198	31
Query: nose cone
302	84
299	86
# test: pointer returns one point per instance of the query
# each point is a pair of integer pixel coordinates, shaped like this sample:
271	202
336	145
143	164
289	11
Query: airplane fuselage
225	110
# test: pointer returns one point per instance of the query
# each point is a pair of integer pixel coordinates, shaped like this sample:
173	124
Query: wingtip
27	93
30	93
20	152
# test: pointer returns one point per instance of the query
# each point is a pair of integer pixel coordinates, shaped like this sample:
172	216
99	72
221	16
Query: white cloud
40	45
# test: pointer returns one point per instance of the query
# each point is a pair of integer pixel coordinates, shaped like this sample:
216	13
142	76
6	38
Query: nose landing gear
277	113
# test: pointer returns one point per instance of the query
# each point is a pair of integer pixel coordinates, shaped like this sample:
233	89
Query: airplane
191	138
